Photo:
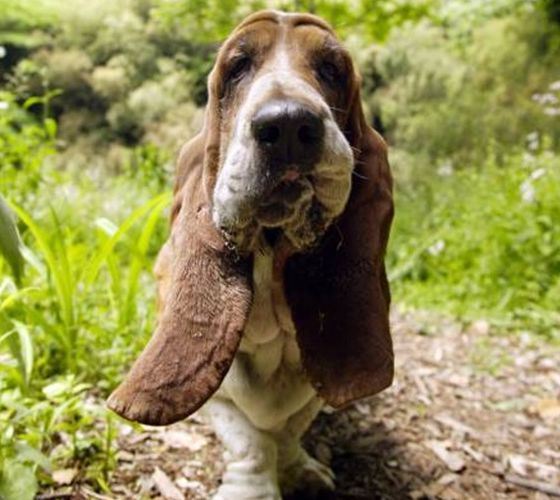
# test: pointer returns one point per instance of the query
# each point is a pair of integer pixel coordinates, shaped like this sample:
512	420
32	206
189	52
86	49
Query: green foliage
22	21
484	241
442	104
10	242
59	422
213	21
126	67
122	76
24	145
552	9
83	308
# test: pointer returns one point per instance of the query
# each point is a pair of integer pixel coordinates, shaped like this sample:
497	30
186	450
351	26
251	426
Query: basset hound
272	287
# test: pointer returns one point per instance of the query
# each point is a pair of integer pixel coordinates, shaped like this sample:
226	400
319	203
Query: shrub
443	100
85	305
483	241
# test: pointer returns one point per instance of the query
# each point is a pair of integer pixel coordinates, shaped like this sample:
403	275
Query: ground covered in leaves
472	414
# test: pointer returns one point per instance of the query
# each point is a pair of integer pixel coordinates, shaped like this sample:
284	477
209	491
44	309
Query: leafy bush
25	143
443	100
85	304
484	241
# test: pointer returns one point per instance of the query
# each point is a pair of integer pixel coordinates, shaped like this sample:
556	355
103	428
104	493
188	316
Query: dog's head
280	95
285	159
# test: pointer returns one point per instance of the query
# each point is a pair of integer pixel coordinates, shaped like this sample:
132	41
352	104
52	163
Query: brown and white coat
272	287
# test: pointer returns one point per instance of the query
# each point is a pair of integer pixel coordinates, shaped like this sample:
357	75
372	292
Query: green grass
83	308
483	242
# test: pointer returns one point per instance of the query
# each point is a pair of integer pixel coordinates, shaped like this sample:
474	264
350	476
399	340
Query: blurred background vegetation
96	98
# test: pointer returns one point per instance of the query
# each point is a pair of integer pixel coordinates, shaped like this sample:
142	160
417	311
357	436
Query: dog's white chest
269	337
266	380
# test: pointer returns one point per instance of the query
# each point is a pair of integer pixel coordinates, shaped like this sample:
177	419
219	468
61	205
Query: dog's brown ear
205	296
339	294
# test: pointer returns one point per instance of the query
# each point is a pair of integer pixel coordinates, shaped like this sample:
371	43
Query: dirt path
471	415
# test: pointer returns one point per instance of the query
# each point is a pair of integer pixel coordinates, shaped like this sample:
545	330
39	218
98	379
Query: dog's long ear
205	296
339	294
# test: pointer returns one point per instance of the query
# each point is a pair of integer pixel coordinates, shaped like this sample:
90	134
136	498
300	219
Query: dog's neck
269	330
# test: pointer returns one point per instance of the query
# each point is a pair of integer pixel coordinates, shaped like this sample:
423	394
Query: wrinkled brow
293	20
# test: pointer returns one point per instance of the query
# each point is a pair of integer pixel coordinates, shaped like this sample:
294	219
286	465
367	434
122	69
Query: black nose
288	133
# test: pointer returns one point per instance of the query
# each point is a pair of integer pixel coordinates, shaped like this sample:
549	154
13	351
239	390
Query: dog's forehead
266	30
285	19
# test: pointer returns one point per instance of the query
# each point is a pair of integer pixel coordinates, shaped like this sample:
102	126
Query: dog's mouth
282	203
271	235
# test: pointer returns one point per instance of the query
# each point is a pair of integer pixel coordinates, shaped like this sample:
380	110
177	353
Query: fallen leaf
458	380
456	425
166	486
476	455
182	439
524	466
447	479
64	476
452	460
146	484
185	484
547	409
480	327
323	453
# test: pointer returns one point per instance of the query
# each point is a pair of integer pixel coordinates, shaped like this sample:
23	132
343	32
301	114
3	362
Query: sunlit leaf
93	268
25	350
10	242
17	481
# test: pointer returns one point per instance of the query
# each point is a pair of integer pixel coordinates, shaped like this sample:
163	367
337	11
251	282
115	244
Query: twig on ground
55	495
93	494
549	489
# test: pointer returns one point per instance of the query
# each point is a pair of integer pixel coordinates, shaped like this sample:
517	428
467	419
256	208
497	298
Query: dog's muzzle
288	139
287	168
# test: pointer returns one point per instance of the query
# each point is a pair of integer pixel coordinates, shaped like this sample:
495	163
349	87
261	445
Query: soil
472	414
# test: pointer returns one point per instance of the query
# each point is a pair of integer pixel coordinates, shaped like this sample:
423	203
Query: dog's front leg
298	471
251	455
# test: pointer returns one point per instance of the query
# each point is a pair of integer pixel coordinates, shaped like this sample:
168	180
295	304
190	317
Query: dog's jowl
273	297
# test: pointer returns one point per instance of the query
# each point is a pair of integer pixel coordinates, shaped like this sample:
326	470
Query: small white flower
533	136
548	99
537	174
552	111
533	141
445	169
528	159
4	105
436	248
527	191
555	86
3	51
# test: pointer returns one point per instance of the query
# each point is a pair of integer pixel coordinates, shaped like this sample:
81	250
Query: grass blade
10	242
93	268
140	254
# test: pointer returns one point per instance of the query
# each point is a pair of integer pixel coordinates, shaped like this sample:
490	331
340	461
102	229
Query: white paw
307	475
237	485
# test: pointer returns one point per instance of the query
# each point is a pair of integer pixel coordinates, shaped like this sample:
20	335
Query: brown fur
338	293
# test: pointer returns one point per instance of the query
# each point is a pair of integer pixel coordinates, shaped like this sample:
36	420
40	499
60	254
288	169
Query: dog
273	296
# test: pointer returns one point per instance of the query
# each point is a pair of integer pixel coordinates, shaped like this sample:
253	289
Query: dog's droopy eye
239	67
328	72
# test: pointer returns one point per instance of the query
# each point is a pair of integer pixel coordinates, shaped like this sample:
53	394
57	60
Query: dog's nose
288	133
